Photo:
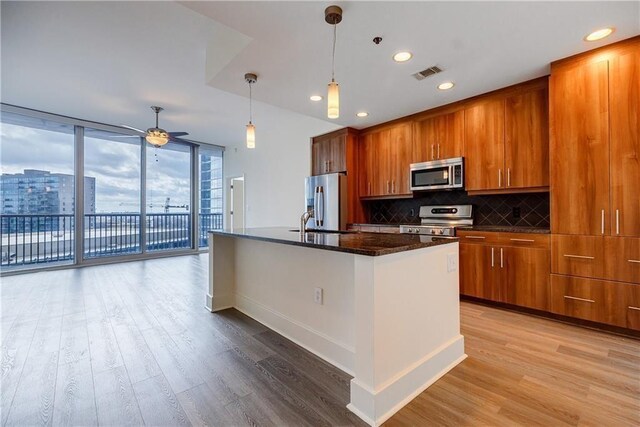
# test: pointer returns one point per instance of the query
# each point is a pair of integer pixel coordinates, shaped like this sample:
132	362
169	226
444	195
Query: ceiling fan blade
136	129
178	133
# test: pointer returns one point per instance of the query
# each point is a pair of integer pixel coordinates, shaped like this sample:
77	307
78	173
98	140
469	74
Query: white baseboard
375	407
337	354
220	302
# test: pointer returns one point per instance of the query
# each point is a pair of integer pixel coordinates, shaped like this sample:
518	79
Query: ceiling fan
157	136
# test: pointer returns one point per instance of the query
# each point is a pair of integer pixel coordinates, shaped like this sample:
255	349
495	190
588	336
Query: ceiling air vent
421	75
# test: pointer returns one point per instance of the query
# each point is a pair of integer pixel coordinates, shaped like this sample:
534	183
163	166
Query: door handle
634	261
321	205
508	177
499	177
617	221
388	187
602	221
501	258
393	186
438	150
523	240
432	152
579	299
578	256
369	188
633	308
475	237
492	258
316	212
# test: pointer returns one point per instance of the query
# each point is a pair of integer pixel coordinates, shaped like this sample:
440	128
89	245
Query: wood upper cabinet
484	145
579	113
438	137
328	155
526	139
384	158
624	116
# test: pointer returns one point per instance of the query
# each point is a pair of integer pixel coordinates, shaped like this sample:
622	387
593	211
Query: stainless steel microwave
447	174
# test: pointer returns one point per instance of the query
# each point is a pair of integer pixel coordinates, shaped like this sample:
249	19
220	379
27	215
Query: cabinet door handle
492	258
508	177
499	177
388	187
602	221
432	153
438	150
523	240
369	188
579	299
633	308
617	221
578	256
635	261
475	237
501	258
393	186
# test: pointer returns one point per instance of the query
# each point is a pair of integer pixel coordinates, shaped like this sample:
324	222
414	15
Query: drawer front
622	259
589	299
578	255
486	237
633	307
370	228
524	240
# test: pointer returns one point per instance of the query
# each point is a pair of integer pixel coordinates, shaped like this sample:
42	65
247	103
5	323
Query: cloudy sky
114	163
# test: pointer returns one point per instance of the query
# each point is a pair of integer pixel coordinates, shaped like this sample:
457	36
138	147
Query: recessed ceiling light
315	98
446	85
362	114
599	34
402	56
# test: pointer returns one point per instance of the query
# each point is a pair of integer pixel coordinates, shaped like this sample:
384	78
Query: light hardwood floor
133	344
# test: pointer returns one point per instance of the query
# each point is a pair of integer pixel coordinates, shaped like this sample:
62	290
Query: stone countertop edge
350	244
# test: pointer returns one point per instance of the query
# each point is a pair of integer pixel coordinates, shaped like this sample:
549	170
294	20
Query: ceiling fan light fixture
157	137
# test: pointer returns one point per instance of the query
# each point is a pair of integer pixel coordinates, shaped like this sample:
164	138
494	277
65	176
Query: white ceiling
482	46
108	61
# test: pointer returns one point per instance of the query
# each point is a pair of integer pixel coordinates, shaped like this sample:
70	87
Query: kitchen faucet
303	221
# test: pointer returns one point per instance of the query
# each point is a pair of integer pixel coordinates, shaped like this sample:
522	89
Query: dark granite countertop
360	243
506	229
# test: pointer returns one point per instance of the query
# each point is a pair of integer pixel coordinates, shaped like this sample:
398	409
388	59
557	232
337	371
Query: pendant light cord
250	104
333	53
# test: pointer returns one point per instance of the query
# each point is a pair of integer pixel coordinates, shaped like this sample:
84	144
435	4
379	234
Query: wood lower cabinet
590	299
500	272
526	277
438	137
632	302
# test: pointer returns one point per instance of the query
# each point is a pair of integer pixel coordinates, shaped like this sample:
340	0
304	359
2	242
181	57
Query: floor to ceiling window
169	203
37	191
112	194
210	173
133	199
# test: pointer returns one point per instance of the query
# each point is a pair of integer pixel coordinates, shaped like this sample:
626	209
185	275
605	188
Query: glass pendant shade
333	100
157	137
251	135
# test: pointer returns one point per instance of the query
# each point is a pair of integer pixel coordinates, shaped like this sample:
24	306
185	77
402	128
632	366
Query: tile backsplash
488	210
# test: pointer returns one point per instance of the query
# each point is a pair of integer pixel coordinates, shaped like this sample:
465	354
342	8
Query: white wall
275	170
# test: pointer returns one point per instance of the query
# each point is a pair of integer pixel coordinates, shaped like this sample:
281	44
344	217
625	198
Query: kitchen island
382	307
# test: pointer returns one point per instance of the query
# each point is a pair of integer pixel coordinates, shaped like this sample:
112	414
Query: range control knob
441	231
433	231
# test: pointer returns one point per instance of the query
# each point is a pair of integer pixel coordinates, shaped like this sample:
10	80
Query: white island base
391	321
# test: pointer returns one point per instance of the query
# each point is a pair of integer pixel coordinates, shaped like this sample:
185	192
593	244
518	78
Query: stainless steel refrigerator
326	195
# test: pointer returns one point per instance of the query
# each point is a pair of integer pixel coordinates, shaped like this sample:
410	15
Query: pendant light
251	78
333	16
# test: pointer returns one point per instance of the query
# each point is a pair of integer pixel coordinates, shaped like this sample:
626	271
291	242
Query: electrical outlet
317	295
452	262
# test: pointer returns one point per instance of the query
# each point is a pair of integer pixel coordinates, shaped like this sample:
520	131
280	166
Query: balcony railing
39	239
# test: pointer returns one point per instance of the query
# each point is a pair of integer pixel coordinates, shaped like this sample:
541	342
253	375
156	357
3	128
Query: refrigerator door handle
315	205
321	205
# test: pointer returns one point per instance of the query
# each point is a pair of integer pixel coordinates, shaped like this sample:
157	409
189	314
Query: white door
236	205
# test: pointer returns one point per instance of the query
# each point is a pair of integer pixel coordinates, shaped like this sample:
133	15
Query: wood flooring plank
205	407
75	403
74	341
116	404
105	354
158	404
